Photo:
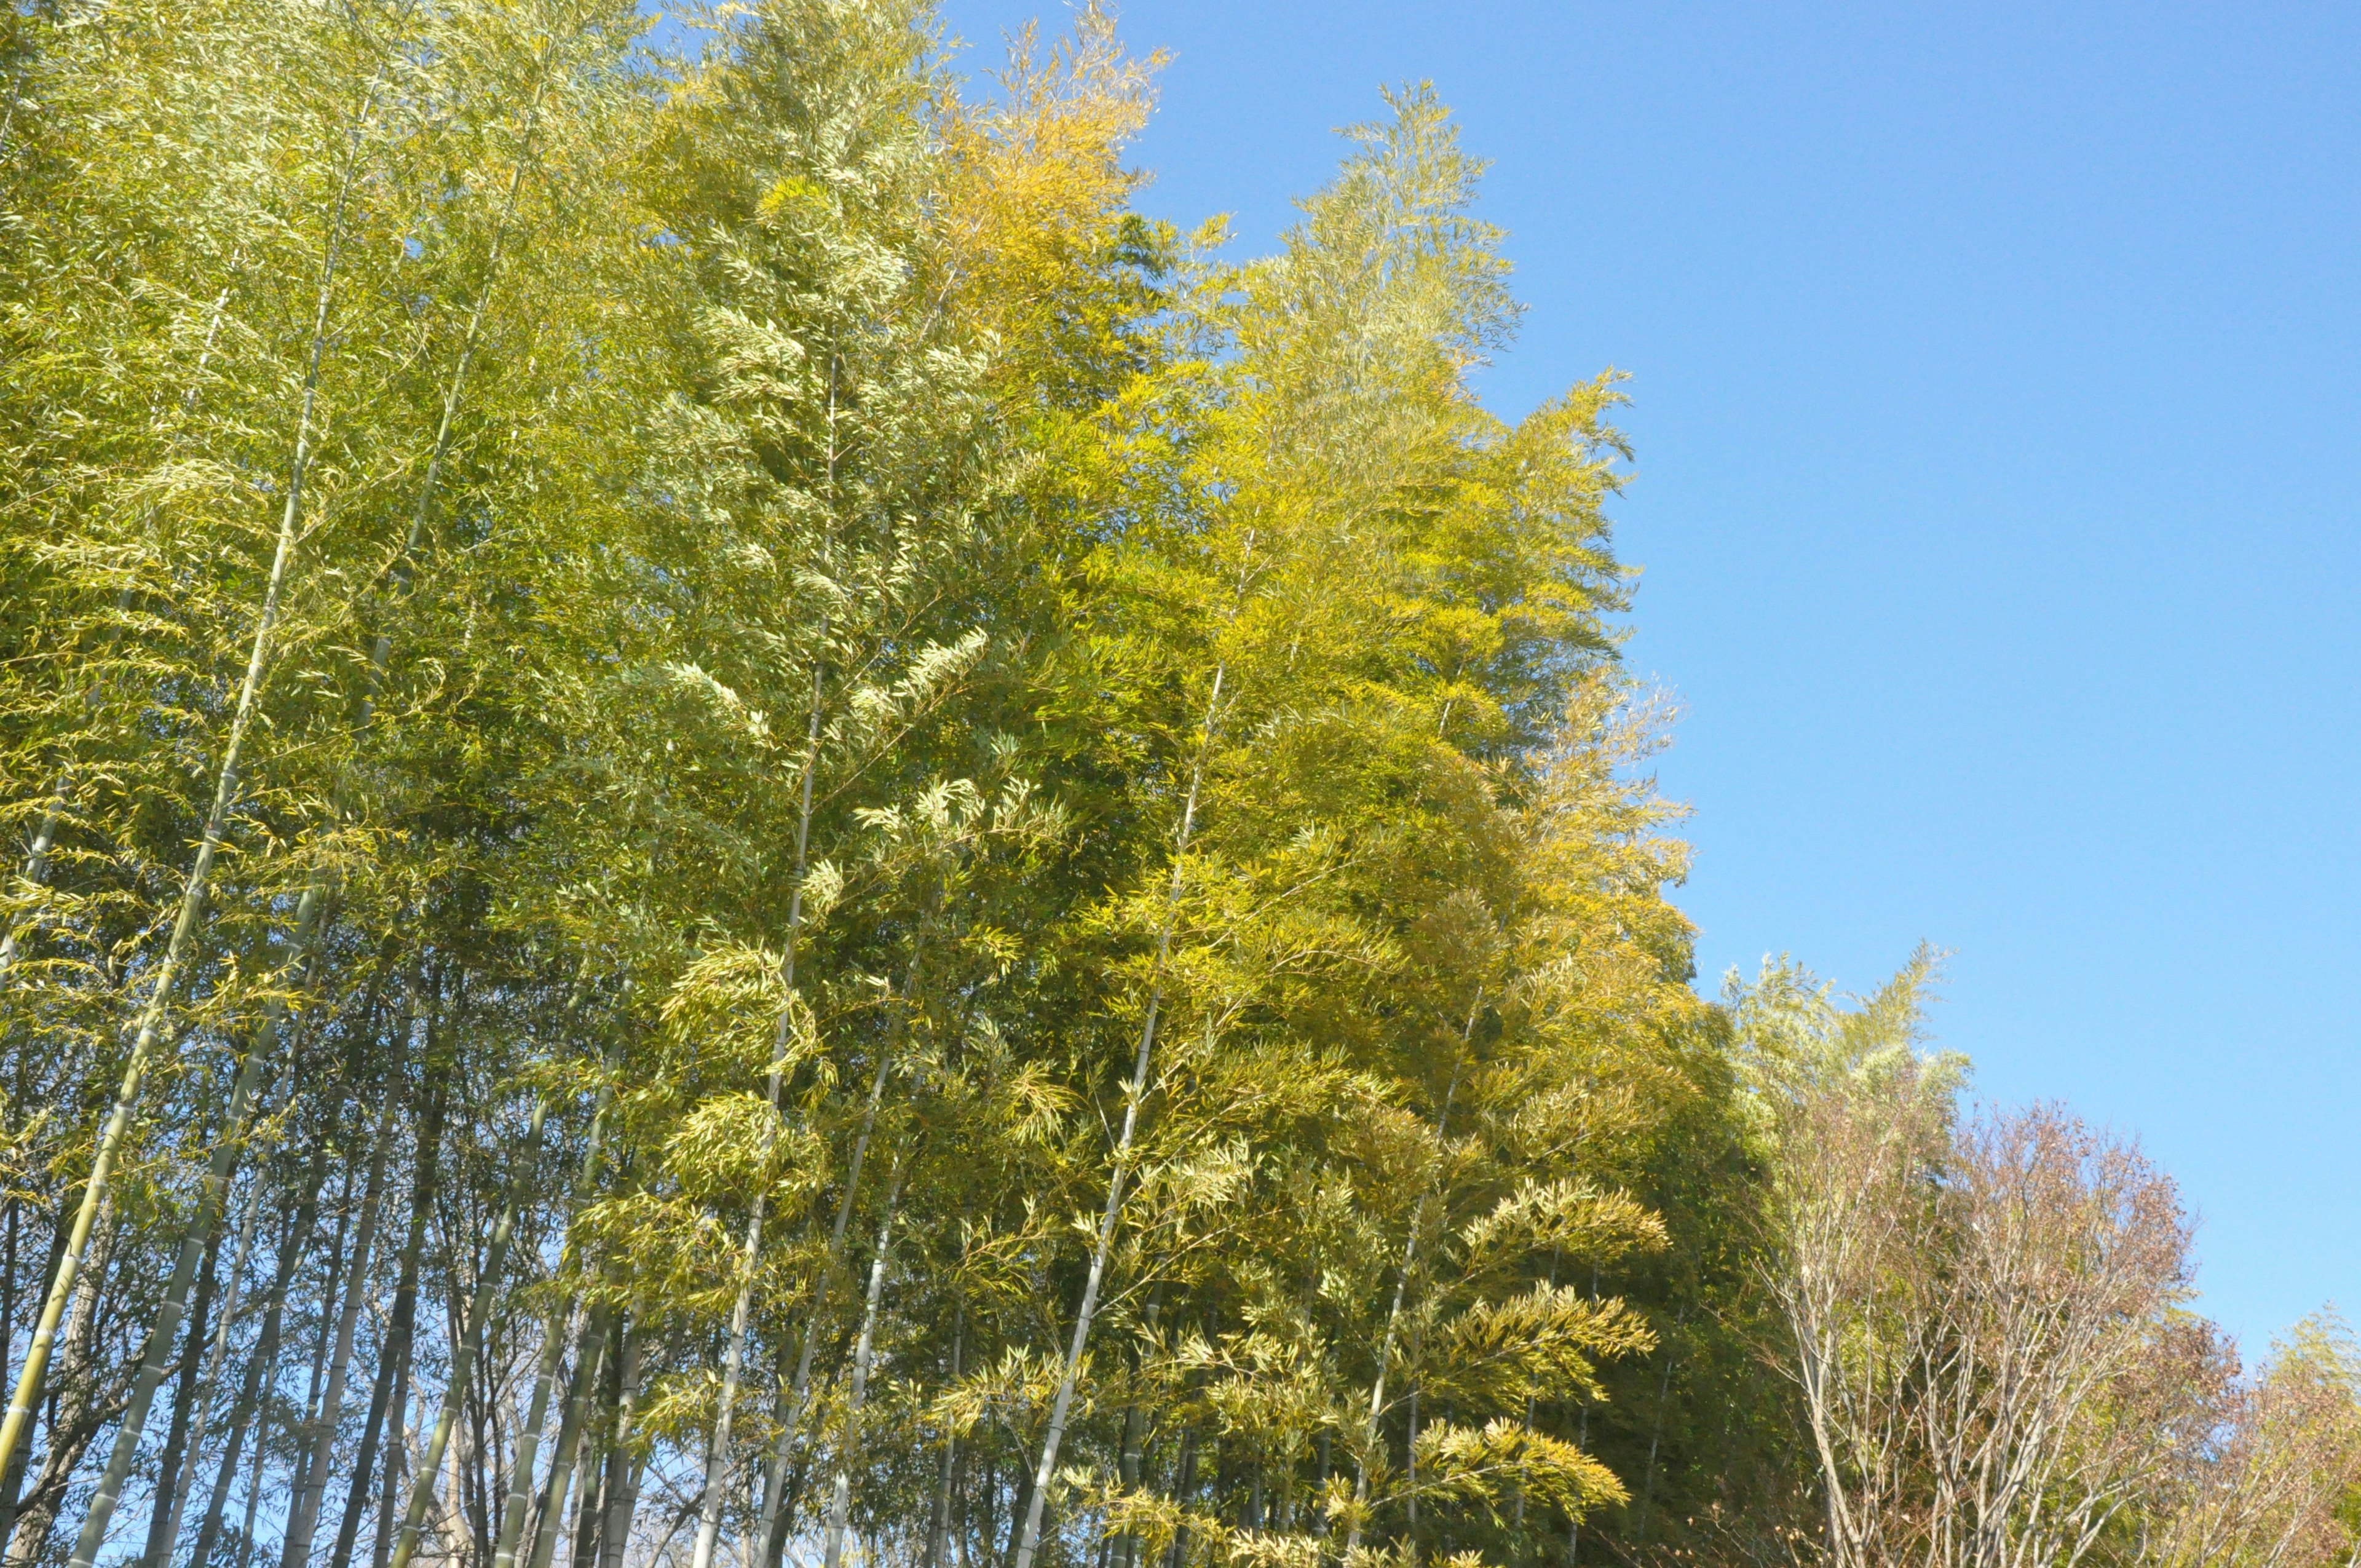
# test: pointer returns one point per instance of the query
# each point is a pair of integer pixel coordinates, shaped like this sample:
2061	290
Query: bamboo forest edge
745	831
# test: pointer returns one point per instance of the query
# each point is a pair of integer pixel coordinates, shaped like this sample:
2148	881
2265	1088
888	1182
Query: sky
1995	379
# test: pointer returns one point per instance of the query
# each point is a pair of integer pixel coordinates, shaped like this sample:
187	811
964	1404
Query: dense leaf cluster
750	830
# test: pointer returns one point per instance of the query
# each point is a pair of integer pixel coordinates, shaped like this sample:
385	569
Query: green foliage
798	587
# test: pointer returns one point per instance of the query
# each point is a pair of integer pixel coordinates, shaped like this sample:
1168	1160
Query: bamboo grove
747	832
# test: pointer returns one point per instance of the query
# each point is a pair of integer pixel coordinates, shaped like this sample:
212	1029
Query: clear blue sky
1998	393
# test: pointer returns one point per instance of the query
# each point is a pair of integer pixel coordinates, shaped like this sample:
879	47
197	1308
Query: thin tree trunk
261	1369
591	1513
588	1362
717	1452
1401	1289
520	1493
1664	1392
334	1289
150	1028
840	1506
12	1480
397	1454
76	1413
393	1354
1135	1432
1029	1536
303	1515
1410	1537
185	1398
623	1461
1184	1483
463	1354
212	1193
552	1356
161	1542
774	1486
938	1534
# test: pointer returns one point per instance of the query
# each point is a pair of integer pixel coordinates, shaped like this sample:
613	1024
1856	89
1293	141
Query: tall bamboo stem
840	1506
192	892
471	1340
1029	1536
552	1512
212	1193
717	1454
774	1488
1401	1289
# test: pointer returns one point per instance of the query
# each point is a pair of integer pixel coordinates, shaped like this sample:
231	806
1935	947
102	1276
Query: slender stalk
463	1356
598	1444
261	1367
586	1363
717	1452
1135	1432
161	1541
176	1457
545	1378
192	892
335	1288
303	1518
161	1333
1401	1289
938	1533
623	1462
552	1354
840	1506
775	1489
393	1356
1029	1536
73	1416
1184	1483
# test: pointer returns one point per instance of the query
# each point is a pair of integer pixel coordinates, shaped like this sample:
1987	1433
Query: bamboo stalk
263	1363
463	1355
717	1454
295	1551
840	1506
161	1541
775	1490
1393	1313
192	892
1029	1536
586	1363
624	1463
394	1353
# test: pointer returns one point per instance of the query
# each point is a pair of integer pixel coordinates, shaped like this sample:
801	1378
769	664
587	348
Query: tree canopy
751	831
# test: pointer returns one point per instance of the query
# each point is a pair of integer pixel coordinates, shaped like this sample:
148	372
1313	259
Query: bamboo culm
193	892
717	1452
774	1488
552	1354
393	1354
624	1463
551	1515
213	1193
1030	1534
471	1340
304	1516
840	1506
161	1540
176	1457
1394	1312
297	1241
